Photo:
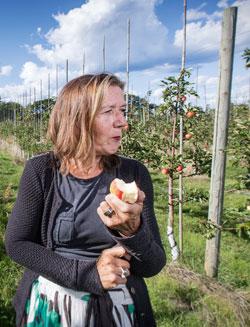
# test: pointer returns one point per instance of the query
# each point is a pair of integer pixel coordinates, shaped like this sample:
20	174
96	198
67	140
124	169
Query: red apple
165	171
183	98
179	168
127	192
188	136
190	114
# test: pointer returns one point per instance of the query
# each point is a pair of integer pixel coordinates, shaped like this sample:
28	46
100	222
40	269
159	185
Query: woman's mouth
117	138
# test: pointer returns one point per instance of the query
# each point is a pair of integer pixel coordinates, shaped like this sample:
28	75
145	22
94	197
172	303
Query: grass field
181	295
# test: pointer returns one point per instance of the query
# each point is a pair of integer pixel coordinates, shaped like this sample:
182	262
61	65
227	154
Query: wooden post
220	138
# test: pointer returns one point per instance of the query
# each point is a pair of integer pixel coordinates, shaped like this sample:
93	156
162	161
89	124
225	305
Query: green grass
10	172
179	304
175	301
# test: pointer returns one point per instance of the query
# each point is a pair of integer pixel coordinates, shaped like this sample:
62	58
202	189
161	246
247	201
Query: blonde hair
71	121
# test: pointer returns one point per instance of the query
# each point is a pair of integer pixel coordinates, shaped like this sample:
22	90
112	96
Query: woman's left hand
126	217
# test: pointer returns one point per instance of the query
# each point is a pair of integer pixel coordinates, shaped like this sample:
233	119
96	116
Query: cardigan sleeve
148	255
23	240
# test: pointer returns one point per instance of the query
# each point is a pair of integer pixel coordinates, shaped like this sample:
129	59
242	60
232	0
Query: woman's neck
78	171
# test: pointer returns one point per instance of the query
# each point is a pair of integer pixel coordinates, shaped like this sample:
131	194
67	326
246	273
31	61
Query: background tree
246	56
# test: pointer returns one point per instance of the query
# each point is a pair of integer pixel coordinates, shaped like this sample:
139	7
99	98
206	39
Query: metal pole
30	96
48	88
67	70
26	98
183	62
56	80
197	81
103	54
15	116
249	98
83	63
127	70
34	94
41	108
41	90
220	138
205	97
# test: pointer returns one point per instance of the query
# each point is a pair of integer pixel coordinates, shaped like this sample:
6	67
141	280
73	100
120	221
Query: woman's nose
120	120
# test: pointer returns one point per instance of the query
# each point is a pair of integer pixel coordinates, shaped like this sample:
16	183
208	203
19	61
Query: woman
85	251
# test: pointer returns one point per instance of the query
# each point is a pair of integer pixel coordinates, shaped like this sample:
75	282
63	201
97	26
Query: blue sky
37	38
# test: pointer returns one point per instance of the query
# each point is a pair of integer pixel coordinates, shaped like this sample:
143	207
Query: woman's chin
108	152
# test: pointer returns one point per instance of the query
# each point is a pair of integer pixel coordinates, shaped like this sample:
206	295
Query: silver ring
125	272
109	213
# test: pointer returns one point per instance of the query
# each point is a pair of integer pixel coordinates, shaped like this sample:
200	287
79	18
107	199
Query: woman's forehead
113	94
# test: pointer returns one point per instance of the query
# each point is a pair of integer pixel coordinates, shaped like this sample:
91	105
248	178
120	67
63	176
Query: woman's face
110	121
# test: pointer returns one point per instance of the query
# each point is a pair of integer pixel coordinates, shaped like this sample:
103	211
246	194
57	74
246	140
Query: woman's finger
107	209
141	197
120	206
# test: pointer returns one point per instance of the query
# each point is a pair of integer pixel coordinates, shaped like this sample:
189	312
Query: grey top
28	238
78	231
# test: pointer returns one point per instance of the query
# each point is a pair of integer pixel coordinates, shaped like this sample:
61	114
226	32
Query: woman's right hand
111	265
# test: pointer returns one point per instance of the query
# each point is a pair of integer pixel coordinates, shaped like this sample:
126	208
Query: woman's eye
107	111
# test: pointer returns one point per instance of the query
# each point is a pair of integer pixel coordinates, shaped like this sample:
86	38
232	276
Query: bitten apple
127	192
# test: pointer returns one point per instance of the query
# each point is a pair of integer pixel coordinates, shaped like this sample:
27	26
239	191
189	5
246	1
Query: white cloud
12	92
201	38
212	80
243	23
83	29
39	31
194	14
222	4
203	35
197	14
150	79
32	75
5	70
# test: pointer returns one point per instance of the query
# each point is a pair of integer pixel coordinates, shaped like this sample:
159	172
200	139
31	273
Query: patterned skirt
51	305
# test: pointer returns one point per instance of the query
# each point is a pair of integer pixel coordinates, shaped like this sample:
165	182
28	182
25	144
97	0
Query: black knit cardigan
28	238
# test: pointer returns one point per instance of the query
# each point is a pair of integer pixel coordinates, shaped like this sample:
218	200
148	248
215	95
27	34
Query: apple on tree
165	171
179	168
190	114
127	192
183	98
188	136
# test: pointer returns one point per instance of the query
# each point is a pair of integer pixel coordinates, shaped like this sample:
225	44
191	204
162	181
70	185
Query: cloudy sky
35	39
